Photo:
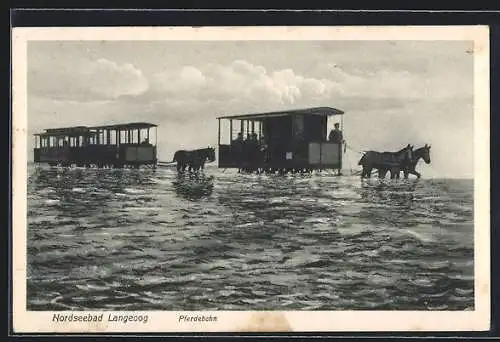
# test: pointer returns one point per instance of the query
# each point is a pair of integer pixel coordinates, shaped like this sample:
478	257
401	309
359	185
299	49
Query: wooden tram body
286	141
118	146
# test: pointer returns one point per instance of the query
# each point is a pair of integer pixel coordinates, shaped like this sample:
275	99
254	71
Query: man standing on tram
336	136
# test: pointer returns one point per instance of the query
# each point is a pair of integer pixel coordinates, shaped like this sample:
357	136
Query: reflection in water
193	186
392	193
77	192
388	202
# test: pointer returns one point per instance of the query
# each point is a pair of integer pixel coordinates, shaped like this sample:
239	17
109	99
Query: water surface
151	240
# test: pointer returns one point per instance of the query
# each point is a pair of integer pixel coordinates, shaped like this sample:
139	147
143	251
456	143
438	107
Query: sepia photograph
251	179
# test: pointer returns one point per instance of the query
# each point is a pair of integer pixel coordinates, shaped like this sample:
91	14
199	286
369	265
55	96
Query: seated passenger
239	139
237	147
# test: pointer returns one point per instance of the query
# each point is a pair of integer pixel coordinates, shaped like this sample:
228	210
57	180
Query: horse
385	161
194	159
422	152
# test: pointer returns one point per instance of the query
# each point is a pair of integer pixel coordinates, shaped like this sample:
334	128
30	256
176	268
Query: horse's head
426	153
211	154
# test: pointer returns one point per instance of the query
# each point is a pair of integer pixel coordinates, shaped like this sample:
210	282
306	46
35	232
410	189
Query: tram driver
336	135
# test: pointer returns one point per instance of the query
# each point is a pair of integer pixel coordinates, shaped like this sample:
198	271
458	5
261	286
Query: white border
263	321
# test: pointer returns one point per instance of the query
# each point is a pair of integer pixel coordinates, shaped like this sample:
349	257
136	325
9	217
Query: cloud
184	81
82	79
400	84
240	82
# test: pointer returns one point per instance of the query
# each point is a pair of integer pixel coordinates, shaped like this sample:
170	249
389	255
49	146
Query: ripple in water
151	240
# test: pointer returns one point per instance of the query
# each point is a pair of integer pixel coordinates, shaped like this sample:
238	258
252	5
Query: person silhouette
336	135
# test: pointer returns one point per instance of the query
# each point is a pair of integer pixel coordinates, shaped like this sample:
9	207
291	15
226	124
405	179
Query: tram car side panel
314	153
137	154
227	156
36	155
54	154
330	153
325	154
96	154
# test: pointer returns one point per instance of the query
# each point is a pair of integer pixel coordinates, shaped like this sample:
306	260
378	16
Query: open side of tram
286	141
118	146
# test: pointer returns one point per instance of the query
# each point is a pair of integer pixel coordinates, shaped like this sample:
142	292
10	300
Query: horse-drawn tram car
117	146
284	141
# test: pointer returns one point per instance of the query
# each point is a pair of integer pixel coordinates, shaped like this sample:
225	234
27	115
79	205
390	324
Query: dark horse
422	152
194	159
385	161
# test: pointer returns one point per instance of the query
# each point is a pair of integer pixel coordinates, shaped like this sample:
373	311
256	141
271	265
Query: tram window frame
112	137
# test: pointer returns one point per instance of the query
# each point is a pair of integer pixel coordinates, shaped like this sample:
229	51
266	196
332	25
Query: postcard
250	179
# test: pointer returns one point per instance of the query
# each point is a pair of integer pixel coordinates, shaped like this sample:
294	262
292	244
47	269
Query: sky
392	92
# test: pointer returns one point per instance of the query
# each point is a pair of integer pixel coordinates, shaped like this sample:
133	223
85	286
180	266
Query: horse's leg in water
367	172
397	171
415	173
405	173
394	173
179	166
382	173
363	172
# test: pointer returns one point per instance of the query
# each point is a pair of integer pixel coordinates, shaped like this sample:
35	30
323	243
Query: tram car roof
319	111
77	130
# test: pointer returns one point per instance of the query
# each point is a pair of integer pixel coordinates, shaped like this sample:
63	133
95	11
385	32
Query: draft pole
342	148
218	132
156	145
